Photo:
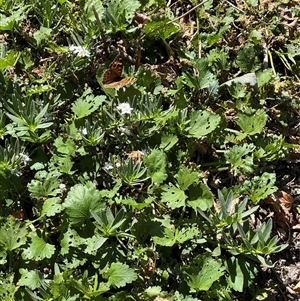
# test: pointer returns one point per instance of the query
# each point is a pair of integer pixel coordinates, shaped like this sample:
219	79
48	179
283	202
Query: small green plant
150	188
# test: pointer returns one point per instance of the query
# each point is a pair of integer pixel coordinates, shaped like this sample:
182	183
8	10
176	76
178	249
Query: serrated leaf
203	272
264	77
66	147
259	187
118	13
120	274
70	239
46	185
185	177
156	166
167	239
186	234
153	291
252	122
51	207
80	200
9	60
12	233
202	123
236	156
173	196
168	141
18	15
200	196
89	12
87	104
29	279
248	58
38	249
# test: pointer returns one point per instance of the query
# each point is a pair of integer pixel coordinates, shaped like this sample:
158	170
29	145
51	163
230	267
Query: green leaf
203	272
161	28
12	233
45	185
186	234
29	279
70	239
205	79
119	13
259	187
236	156
248	58
168	141
186	177
18	15
173	196
202	123
120	274
66	147
51	207
168	237
241	272
80	201
264	77
87	104
171	236
9	60
38	249
153	291
252	121
200	196
41	35
156	166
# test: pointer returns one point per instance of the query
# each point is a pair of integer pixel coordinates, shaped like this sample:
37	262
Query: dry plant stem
102	34
176	19
234	6
271	62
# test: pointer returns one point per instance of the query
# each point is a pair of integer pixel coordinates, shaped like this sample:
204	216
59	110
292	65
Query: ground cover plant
149	150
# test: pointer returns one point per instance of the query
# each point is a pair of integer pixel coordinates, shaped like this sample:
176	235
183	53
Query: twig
234	6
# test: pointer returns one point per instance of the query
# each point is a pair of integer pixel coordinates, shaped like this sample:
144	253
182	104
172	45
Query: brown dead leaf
285	199
136	156
296	288
281	204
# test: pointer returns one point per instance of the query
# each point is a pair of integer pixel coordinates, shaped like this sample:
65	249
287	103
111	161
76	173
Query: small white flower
107	166
79	50
84	131
16	172
123	130
25	158
62	186
124	108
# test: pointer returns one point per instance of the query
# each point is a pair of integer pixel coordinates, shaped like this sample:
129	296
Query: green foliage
86	104
80	201
39	249
203	272
112	193
116	14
